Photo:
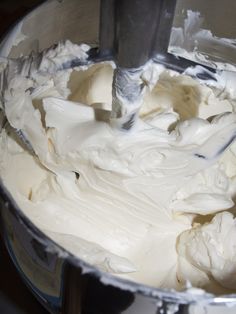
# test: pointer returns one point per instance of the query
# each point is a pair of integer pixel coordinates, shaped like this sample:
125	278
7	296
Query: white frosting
132	209
209	248
200	45
12	39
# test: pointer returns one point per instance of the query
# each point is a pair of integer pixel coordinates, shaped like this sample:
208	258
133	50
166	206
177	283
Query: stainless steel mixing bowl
63	283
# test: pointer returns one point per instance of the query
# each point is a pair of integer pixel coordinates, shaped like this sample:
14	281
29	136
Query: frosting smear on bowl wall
155	204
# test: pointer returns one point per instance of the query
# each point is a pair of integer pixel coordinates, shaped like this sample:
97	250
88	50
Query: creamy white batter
156	204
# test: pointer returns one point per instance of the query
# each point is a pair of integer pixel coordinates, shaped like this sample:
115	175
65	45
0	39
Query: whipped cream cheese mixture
155	204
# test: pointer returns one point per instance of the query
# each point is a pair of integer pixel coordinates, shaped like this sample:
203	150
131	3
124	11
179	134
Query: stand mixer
131	33
119	36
